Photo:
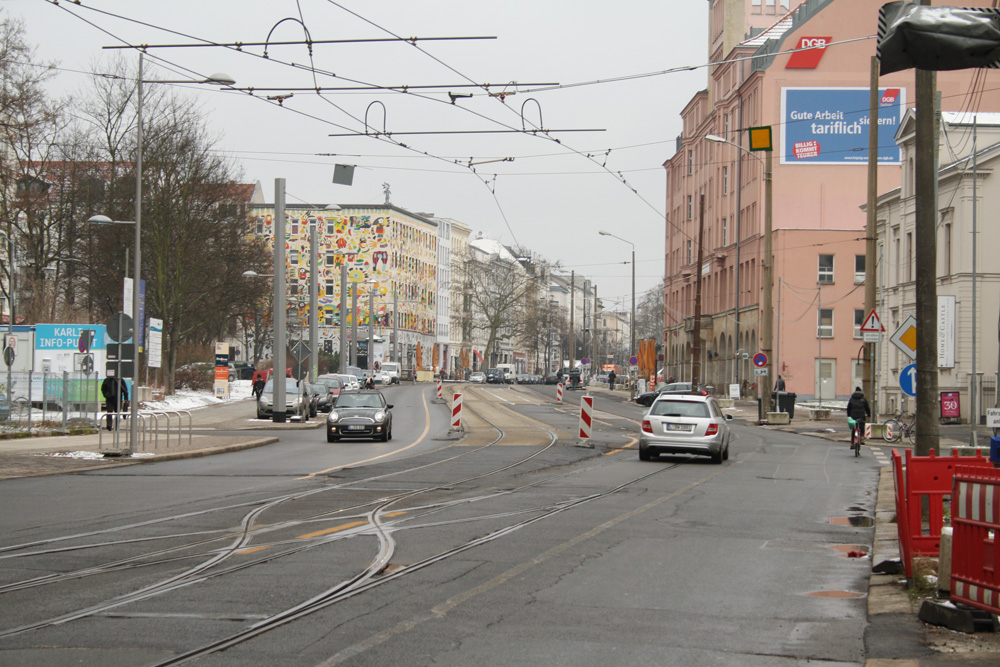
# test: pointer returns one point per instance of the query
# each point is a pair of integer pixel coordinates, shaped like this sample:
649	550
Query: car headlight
333	416
379	416
265	399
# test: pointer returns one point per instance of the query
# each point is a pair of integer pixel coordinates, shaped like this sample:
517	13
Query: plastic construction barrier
440	393
930	477
559	393
975	559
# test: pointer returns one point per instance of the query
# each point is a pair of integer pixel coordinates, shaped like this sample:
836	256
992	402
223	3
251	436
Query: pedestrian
780	384
858	410
258	385
611	380
115	393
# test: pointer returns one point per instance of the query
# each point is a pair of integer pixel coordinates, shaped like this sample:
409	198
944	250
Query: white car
350	381
478	377
685	424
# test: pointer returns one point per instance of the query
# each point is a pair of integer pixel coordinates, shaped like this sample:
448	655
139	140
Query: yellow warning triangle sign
873	323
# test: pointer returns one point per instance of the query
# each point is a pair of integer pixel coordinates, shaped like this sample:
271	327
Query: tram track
377	523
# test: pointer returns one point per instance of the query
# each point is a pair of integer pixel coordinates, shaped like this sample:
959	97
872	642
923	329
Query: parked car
551	378
478	377
334	385
685	424
350	382
674	388
313	392
494	376
360	414
244	370
295	400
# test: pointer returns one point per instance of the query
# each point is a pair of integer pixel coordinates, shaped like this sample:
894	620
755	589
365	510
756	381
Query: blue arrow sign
908	380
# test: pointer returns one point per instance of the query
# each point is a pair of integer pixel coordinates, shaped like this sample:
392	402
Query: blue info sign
830	125
908	380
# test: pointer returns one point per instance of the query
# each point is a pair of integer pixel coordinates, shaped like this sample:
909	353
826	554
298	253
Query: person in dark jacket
858	410
611	380
780	384
258	385
115	393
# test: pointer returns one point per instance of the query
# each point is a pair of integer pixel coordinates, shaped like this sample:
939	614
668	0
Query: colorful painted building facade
385	249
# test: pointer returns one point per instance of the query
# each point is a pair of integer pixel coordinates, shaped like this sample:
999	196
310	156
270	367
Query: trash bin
784	401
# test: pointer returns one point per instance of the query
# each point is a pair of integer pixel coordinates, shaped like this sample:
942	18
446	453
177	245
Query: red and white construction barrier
586	410
440	393
559	391
456	412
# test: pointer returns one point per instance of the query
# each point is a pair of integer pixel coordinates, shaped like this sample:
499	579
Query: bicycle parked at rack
900	424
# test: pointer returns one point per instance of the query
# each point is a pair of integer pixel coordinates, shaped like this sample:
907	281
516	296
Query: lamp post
10	313
760	139
632	347
215	79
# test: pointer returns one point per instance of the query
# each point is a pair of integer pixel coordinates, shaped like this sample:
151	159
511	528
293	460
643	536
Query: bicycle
855	436
897	426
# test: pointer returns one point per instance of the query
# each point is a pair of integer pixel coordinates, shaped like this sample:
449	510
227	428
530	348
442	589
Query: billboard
830	125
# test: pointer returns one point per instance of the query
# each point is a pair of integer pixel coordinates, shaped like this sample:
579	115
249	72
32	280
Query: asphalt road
436	549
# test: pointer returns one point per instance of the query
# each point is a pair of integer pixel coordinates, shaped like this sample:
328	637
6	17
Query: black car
494	376
647	398
360	414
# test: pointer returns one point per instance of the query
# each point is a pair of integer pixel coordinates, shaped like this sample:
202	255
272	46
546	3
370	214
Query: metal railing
148	432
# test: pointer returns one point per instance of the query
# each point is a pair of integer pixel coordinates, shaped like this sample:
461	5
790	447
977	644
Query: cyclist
858	410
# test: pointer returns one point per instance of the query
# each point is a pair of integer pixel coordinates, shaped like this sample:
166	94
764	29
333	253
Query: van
390	372
508	372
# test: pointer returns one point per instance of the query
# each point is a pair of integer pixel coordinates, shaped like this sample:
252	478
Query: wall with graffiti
397	251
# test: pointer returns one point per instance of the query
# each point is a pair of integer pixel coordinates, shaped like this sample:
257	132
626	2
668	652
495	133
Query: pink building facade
816	102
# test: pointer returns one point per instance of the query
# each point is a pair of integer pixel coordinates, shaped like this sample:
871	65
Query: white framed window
293	288
824	323
331	287
725	180
825	276
331	259
293	257
690	207
690	161
725	232
859	320
859	269
689	247
331	227
295	227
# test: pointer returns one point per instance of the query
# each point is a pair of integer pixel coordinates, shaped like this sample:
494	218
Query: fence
975	559
49	400
924	481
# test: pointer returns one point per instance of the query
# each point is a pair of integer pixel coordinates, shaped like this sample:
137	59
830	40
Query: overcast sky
550	198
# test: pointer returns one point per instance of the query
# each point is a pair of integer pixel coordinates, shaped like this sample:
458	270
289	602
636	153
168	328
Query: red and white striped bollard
440	393
456	412
559	391
586	410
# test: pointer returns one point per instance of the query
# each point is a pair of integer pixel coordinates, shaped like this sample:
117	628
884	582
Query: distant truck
390	372
508	372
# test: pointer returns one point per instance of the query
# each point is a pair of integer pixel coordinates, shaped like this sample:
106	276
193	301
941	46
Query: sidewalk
214	429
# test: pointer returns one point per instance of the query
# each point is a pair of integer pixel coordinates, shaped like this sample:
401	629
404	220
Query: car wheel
331	438
385	436
717	458
260	415
390	433
725	453
644	455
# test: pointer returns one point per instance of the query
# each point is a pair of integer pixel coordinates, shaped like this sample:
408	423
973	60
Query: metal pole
395	326
371	329
973	405
768	310
354	324
278	407
343	315
137	271
572	316
10	304
871	234
313	301
819	338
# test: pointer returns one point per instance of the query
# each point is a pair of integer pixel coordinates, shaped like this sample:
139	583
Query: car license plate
680	427
355	427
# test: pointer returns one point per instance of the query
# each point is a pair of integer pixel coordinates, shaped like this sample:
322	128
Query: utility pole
871	236
696	345
925	284
280	344
572	313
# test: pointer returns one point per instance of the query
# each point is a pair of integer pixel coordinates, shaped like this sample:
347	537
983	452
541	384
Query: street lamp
762	135
632	327
215	79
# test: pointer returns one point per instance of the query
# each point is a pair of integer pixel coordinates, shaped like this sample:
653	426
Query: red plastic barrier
975	559
930	477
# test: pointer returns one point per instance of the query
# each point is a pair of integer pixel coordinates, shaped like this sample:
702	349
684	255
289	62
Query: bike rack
149	427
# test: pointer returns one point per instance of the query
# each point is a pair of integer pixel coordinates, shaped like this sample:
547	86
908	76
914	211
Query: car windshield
291	385
673	408
359	401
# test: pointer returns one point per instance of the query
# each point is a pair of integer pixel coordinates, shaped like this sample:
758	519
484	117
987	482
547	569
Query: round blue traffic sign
908	380
760	360
633	361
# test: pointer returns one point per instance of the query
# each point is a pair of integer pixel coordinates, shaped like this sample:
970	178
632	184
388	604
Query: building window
859	269
293	288
824	322
331	227
859	320
260	224
330	288
725	232
690	207
725	125
331	259
909	256
725	180
293	257
689	259
946	248
690	162
825	270
295	227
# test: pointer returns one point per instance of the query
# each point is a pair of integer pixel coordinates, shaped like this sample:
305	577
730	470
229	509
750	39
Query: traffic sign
760	360
633	361
873	323
908	380
905	337
87	364
301	351
760	371
8	356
